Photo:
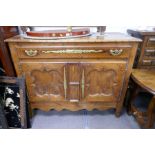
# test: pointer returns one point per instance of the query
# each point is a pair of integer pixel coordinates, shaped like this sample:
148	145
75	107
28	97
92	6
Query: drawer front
150	52
107	52
150	63
151	42
149	58
146	62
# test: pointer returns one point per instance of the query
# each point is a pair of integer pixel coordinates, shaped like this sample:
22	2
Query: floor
82	120
86	119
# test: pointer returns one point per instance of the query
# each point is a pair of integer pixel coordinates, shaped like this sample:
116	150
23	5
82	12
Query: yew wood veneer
145	58
79	73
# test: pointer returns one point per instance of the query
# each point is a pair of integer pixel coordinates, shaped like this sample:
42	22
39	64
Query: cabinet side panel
126	79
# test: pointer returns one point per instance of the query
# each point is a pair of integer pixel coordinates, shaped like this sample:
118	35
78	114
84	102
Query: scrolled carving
47	82
101	82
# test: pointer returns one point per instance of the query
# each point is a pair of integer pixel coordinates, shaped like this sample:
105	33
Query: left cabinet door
46	81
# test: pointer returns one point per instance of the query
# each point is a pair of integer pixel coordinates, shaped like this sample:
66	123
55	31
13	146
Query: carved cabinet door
46	81
102	80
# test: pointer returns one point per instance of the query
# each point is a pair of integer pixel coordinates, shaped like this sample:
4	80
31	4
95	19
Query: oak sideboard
80	73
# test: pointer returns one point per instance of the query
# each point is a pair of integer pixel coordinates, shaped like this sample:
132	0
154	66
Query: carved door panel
46	81
102	80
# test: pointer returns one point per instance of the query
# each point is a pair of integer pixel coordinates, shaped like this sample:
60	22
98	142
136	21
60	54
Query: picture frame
13	102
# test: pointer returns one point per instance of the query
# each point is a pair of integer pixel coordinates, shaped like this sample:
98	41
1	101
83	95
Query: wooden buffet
80	73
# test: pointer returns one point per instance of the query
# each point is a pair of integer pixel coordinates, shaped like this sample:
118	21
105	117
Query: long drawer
150	52
106	52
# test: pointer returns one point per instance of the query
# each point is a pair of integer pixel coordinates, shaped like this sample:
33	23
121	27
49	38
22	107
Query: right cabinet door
102	80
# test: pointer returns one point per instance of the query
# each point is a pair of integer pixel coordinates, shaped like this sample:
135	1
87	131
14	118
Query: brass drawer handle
116	52
31	53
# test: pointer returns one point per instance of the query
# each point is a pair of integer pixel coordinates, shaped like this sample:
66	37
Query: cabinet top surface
145	78
142	32
107	37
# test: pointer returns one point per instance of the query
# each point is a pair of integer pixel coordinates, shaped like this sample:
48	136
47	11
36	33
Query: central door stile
74	79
